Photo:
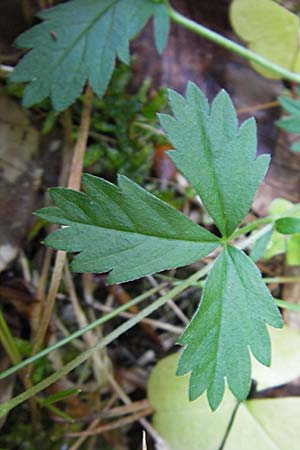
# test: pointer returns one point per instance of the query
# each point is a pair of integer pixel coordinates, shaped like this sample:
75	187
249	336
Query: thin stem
251	226
287	305
281	280
7	341
231	46
79	332
259	107
80	147
7	406
73	183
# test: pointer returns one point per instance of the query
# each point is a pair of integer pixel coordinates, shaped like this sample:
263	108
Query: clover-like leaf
131	233
79	42
124	229
215	155
232	317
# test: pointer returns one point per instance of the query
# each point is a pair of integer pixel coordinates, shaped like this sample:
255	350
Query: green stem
287	305
250	227
7	406
8	342
231	46
80	332
281	280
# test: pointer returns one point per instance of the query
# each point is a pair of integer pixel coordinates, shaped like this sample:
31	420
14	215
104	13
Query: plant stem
250	227
8	342
7	406
287	305
80	147
231	46
281	280
80	332
73	183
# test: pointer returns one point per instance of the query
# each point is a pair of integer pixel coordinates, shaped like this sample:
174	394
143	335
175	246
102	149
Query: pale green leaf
295	147
290	124
232	317
291	105
260	246
293	250
285	360
184	424
267	424
215	155
161	27
279	244
79	41
124	230
270	30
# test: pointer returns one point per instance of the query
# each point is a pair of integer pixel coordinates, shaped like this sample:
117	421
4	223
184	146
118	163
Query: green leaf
281	208
288	225
285	366
161	27
291	105
78	42
265	424
184	424
295	147
124	229
131	233
271	31
293	250
289	124
231	318
215	155
260	245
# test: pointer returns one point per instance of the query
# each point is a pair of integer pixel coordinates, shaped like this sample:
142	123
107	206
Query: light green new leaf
124	230
232	317
288	225
215	155
271	31
79	42
281	208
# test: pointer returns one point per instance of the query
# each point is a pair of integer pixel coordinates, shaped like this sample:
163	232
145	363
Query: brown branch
74	183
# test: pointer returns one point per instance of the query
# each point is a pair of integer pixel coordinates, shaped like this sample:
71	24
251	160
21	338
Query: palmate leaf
214	155
131	233
234	308
124	229
79	41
